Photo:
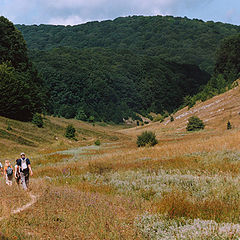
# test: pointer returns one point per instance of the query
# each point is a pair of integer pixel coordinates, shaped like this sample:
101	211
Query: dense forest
112	70
172	38
22	91
110	85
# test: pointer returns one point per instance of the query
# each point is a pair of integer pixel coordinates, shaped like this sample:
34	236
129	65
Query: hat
22	154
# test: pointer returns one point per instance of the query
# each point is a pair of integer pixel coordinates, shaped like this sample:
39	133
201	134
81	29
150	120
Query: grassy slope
105	192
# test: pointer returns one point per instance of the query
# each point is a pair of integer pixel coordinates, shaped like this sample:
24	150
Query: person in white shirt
24	168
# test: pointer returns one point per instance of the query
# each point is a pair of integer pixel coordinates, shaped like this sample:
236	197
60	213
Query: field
185	187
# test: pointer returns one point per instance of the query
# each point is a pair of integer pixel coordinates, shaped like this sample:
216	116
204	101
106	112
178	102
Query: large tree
22	92
228	58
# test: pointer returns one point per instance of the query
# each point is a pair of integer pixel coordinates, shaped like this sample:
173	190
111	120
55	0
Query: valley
187	183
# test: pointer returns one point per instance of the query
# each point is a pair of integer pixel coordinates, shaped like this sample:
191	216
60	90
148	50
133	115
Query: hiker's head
7	163
22	155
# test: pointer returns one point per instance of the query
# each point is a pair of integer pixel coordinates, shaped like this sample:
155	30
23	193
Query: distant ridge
173	38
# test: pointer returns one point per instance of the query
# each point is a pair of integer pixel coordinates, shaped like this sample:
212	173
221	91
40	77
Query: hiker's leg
27	179
7	181
10	180
23	181
18	180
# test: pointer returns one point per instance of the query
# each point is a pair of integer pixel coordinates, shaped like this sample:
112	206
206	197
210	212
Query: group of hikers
21	171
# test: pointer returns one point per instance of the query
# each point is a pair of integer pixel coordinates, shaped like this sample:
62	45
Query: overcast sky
72	12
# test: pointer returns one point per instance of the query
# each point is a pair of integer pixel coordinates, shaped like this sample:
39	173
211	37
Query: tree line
109	85
174	39
110	70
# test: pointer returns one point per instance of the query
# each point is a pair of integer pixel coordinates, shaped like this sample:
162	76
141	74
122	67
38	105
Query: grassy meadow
185	187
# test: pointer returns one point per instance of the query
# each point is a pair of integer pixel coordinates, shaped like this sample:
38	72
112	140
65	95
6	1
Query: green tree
146	138
195	124
70	132
81	114
37	120
229	125
22	91
228	58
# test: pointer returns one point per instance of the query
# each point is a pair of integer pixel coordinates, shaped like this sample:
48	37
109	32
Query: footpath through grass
119	191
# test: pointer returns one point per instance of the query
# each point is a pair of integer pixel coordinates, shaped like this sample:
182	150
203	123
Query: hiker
24	167
8	171
1	168
17	173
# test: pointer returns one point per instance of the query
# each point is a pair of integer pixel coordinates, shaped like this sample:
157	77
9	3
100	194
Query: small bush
37	120
171	118
159	118
91	119
195	124
229	125
147	138
70	132
97	142
9	128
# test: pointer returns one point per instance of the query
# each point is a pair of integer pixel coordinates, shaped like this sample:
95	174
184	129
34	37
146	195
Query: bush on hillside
147	138
229	125
70	132
195	124
9	128
97	142
37	120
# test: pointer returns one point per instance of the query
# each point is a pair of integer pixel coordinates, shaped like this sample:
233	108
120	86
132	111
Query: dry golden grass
11	198
71	214
180	204
71	207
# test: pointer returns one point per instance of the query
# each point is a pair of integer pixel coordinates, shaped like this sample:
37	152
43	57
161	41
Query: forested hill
110	85
173	38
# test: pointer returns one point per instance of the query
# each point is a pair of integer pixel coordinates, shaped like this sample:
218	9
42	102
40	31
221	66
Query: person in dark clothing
25	168
17	173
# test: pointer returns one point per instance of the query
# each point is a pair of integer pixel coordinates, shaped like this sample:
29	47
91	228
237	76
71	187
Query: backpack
9	171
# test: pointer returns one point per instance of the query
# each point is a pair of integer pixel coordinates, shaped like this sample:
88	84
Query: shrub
229	125
91	119
195	124
9	128
70	132
37	120
97	142
147	138
171	118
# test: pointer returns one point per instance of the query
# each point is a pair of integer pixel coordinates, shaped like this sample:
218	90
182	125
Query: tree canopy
113	84
21	88
228	58
111	70
172	38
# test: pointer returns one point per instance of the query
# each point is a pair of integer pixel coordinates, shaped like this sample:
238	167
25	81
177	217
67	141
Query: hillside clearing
188	182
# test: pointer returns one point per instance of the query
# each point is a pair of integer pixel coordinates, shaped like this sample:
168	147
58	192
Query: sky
73	12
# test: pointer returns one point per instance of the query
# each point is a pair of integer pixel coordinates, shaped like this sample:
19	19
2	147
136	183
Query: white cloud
75	3
70	20
79	11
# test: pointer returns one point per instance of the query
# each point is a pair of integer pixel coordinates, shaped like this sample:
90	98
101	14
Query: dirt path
24	207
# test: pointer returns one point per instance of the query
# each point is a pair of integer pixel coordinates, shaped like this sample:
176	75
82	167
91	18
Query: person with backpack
1	168
17	173
8	171
24	168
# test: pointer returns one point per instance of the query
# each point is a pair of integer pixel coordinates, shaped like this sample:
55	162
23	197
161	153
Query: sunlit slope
215	113
16	136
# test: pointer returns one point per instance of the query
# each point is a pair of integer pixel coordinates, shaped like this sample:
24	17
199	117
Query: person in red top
8	171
